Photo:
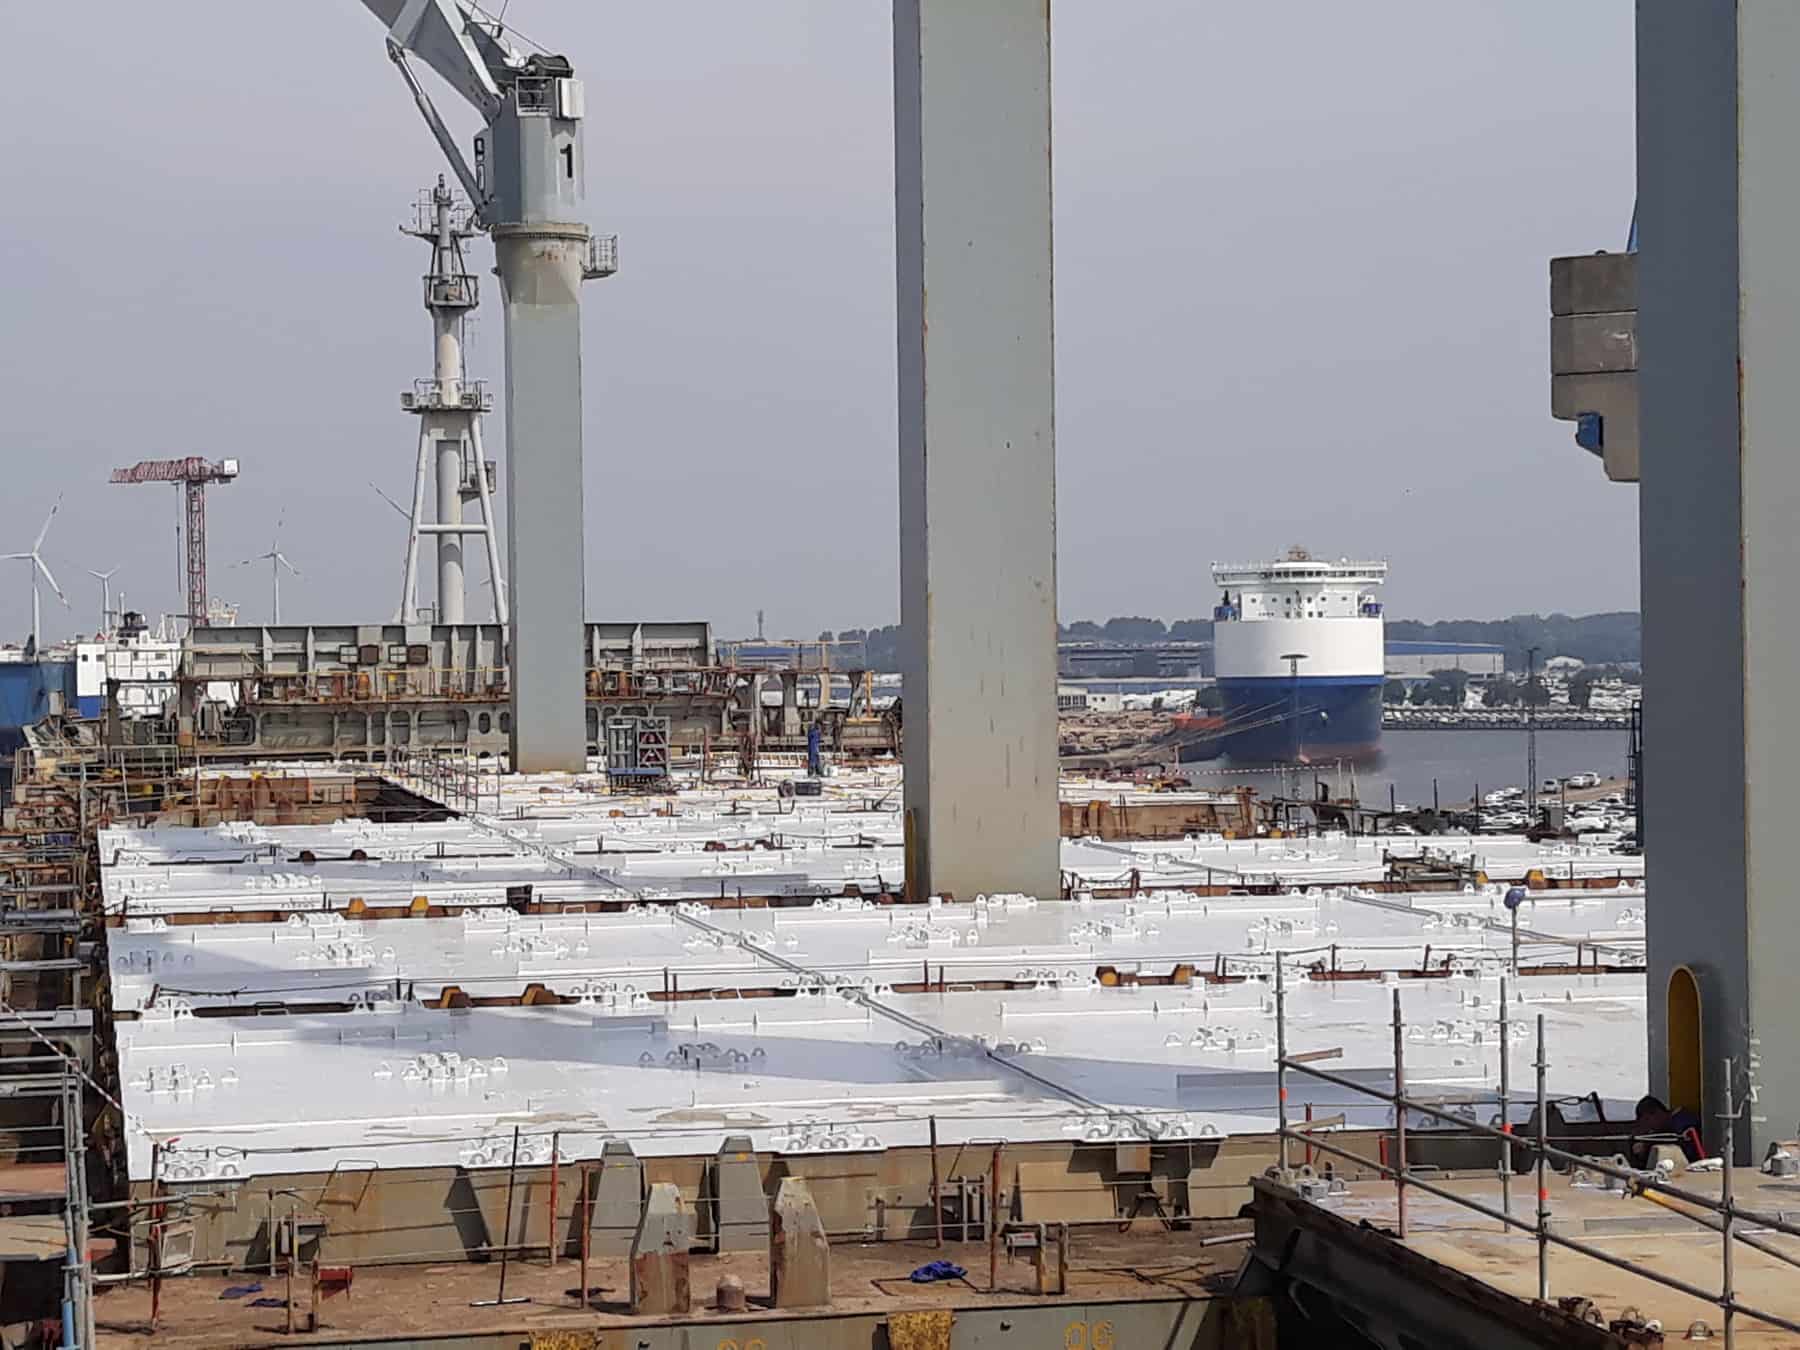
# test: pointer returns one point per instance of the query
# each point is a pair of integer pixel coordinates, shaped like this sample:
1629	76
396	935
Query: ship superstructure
1298	653
142	667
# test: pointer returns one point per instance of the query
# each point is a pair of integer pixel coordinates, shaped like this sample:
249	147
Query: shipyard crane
525	187
191	475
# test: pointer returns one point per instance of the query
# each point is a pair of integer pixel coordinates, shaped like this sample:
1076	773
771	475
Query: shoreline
1514	722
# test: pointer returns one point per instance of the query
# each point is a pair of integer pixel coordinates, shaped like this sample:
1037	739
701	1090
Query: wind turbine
277	560
500	600
411	600
105	580
36	559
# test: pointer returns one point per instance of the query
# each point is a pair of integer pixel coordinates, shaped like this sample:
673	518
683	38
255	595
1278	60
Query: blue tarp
25	688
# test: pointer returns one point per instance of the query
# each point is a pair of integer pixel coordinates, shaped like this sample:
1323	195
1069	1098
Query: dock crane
191	475
525	186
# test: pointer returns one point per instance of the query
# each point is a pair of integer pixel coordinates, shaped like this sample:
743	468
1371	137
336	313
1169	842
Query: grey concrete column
1719	345
977	443
540	276
790	703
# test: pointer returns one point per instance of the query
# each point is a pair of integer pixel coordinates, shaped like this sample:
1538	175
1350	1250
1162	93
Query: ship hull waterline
1282	720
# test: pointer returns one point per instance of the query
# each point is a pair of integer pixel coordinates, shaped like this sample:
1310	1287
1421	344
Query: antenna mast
449	407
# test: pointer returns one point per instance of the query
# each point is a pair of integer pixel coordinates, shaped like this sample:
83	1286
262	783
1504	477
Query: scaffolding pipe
1728	1284
1505	1103
1543	1157
1281	1090
1635	1182
1399	1121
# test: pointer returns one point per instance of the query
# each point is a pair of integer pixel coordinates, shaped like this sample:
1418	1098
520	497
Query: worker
815	759
1656	1122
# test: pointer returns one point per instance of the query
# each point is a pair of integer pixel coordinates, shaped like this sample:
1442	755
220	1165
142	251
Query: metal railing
427	394
374	683
381	684
454	778
1721	1215
457	290
602	257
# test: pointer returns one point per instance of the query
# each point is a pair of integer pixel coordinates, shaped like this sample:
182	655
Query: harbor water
1410	761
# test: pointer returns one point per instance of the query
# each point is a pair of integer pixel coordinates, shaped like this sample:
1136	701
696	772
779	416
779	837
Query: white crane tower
449	406
526	190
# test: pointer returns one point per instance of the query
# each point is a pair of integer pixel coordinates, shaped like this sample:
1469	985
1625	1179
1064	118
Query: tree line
1610	639
1449	689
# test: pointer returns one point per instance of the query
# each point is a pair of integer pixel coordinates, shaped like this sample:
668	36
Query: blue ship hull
1338	717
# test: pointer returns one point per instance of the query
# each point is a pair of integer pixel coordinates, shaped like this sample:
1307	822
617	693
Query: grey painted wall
1691	518
1769	400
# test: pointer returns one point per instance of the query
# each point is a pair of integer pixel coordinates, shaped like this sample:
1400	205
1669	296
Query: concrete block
741	1207
799	1254
1583	344
618	1200
1593	283
659	1254
1614	395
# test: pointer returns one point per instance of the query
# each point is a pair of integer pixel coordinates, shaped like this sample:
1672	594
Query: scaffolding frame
1722	1215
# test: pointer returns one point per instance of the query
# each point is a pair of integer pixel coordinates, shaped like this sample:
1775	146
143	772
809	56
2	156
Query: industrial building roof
835	1024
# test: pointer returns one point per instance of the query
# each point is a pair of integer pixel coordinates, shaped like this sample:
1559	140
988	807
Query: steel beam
977	443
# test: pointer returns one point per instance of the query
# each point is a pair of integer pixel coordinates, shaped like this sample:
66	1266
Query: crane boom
190	470
454	41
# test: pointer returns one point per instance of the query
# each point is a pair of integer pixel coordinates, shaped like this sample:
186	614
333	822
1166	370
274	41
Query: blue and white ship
71	678
1299	656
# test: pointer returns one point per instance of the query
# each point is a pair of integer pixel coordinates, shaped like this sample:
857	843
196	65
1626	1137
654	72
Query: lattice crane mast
191	475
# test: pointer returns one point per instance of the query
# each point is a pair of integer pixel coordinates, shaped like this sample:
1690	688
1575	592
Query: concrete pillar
659	1253
618	1200
977	443
799	1253
790	703
1719	341
742	1213
540	280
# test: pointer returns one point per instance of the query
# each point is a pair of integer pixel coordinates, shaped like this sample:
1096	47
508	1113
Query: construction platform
404	1023
1148	1287
1460	1280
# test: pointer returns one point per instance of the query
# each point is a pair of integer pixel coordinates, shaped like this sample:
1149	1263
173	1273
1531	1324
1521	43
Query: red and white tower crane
191	475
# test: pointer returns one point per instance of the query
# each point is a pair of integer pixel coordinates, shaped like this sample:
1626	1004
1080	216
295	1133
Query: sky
1301	298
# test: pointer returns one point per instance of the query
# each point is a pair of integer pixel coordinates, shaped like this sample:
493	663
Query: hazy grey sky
1301	298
